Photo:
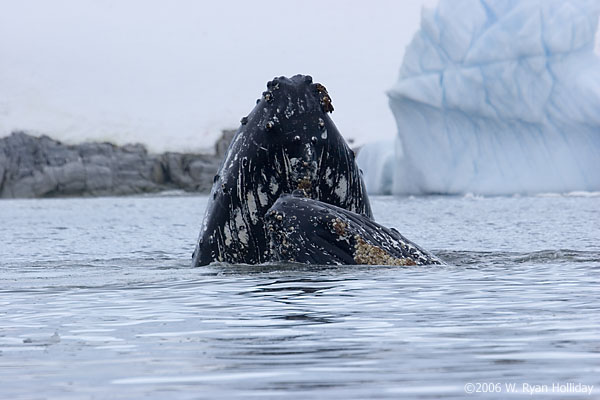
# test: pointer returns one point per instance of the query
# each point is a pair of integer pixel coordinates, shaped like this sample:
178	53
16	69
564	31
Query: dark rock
98	178
43	167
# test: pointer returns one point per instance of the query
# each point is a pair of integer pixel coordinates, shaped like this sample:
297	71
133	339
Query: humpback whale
287	142
308	231
289	189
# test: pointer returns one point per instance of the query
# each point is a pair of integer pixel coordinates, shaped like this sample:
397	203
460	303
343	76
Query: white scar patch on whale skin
242	229
289	109
276	163
286	164
252	210
227	235
342	188
329	177
309	151
273	185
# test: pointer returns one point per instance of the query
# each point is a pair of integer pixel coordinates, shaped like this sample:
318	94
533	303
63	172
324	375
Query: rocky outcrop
42	167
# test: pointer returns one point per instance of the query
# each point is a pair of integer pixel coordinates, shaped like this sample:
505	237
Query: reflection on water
123	323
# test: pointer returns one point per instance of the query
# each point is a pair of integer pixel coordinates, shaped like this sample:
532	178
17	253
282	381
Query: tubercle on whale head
299	91
295	105
291	117
324	97
318	89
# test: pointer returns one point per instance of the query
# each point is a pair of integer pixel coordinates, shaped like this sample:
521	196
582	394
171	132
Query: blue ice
495	97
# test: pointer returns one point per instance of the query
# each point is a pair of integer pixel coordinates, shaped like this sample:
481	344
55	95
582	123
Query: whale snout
309	231
304	176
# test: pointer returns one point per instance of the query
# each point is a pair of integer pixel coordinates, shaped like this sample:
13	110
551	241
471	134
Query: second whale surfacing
308	231
287	142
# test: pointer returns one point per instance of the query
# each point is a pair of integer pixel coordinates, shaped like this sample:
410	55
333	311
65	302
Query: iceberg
495	97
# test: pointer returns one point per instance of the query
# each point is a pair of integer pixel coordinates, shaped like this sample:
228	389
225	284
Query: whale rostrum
308	231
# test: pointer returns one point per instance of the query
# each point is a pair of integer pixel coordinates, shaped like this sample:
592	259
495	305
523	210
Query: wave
570	194
506	258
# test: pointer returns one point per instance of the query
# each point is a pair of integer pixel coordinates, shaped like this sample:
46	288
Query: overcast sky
172	74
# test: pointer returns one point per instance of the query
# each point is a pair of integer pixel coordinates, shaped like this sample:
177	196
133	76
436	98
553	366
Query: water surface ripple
98	301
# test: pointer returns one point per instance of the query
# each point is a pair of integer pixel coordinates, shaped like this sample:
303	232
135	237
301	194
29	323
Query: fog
172	74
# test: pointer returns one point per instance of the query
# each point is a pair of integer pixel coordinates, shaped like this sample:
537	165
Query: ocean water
98	301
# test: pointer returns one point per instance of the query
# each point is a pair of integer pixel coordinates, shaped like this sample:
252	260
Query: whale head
288	142
292	124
